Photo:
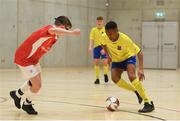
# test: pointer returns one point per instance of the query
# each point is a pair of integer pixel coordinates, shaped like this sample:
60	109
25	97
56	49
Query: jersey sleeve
132	46
91	37
103	39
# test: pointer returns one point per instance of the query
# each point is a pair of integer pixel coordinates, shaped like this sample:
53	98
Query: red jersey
34	47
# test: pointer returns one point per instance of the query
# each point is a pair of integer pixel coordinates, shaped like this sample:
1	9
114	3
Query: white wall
8	32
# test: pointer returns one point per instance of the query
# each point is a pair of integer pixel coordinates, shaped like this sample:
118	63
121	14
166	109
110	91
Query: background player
122	52
27	59
98	52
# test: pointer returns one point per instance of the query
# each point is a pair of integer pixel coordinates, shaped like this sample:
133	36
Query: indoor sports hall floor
69	94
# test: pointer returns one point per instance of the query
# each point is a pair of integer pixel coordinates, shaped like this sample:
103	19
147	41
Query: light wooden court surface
69	93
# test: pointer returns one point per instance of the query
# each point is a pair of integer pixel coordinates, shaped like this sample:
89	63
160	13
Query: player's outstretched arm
61	31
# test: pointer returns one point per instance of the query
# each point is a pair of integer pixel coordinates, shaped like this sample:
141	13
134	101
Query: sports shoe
106	78
139	97
29	109
17	100
147	108
97	81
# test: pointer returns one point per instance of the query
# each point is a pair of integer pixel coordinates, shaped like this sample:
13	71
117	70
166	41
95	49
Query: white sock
29	97
25	87
18	95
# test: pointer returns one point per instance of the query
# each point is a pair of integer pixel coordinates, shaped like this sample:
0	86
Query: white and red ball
112	103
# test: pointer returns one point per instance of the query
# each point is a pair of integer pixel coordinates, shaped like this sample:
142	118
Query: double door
160	44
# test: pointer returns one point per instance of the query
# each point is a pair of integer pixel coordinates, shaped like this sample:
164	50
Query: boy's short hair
111	25
99	18
63	20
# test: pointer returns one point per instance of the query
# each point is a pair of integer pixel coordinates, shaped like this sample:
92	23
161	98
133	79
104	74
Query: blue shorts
123	64
97	53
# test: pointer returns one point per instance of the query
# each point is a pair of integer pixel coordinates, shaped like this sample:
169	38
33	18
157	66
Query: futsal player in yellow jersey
122	52
98	52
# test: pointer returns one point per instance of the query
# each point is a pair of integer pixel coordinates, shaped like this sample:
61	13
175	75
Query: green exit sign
160	14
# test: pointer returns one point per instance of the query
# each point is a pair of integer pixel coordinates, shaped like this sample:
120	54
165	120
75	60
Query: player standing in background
27	58
121	50
98	52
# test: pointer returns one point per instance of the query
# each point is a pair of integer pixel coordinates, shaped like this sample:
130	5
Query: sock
29	97
106	69
123	84
140	89
96	71
24	88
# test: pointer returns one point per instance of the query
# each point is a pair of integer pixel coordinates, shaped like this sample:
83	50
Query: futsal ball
112	103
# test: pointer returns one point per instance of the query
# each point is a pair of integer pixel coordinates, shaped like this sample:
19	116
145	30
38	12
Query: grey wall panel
54	8
57	56
179	43
64	2
8	32
77	46
129	24
99	4
77	54
30	17
80	3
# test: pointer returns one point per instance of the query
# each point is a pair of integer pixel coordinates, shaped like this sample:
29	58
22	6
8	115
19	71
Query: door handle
169	47
144	47
168	44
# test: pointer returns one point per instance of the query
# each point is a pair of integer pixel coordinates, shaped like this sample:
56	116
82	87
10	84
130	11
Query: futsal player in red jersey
27	58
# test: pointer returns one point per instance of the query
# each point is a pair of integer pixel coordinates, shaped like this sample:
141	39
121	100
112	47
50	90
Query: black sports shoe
29	109
147	108
16	99
97	81
106	78
139	97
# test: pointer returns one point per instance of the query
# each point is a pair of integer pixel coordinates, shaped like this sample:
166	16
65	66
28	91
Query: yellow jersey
95	35
121	49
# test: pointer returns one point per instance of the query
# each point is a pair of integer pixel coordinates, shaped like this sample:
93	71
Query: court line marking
162	108
2	99
96	106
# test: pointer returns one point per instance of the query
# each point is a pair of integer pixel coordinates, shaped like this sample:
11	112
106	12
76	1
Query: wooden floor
69	94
